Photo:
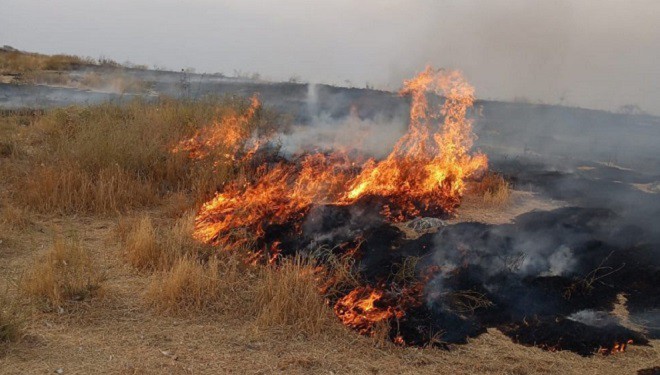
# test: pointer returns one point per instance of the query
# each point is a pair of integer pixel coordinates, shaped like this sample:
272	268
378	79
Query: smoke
560	51
330	127
370	137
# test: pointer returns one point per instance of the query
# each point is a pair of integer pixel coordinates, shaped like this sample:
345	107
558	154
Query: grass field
99	274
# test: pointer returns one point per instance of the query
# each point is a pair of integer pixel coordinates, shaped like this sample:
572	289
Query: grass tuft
11	323
147	247
66	274
288	297
493	189
192	285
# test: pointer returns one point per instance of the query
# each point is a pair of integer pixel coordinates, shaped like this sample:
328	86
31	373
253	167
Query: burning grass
64	275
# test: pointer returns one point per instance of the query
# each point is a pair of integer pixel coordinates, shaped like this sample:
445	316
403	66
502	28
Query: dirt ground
118	333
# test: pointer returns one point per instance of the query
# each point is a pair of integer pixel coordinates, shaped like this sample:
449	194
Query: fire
364	307
424	174
618	347
427	168
229	136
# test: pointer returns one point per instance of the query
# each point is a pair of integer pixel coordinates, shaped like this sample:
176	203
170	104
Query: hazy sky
595	54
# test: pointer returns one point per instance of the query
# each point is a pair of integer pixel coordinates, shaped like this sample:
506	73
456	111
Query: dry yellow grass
141	249
67	273
23	62
146	247
11	321
288	297
192	285
68	189
493	188
13	217
114	158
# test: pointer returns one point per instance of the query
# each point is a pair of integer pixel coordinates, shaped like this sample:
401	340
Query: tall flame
424	174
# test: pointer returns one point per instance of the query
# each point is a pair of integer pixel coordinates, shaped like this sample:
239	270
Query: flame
229	135
617	347
428	166
360	309
424	174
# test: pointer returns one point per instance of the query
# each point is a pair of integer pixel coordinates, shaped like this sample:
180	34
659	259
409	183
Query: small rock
59	371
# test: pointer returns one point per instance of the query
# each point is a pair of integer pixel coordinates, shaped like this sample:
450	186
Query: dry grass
63	189
288	297
149	248
67	273
112	158
493	188
23	62
11	322
192	285
142	249
13	217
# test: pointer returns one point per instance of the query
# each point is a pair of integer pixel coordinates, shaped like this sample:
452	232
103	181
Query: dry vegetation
194	285
492	188
288	297
107	174
111	158
10	319
13	61
67	70
66	273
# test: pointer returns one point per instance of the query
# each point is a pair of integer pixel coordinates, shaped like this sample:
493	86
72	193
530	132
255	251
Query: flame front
424	174
426	170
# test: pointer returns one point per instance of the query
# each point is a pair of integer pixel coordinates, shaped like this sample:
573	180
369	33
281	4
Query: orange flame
424	174
360	310
617	347
229	135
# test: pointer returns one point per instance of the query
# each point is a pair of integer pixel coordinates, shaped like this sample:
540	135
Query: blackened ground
542	268
565	334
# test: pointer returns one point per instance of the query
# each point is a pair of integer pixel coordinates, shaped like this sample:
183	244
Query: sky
599	54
